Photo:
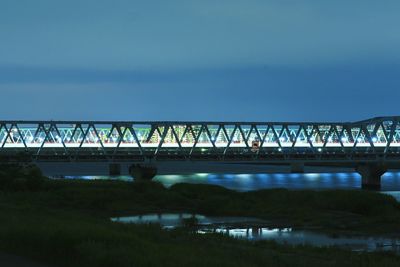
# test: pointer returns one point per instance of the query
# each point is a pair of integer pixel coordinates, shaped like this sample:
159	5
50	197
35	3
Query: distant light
344	139
374	139
359	139
319	149
213	139
279	149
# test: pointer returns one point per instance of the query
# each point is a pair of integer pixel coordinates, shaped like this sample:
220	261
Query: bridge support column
297	167
115	169
142	172
371	175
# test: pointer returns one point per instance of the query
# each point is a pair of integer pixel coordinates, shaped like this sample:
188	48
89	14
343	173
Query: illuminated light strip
189	145
226	137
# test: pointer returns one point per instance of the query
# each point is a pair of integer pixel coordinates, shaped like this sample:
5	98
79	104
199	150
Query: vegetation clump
20	177
190	222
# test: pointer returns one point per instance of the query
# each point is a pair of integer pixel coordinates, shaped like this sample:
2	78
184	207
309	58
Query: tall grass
66	223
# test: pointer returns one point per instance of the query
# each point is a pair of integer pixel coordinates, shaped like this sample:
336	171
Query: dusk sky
236	60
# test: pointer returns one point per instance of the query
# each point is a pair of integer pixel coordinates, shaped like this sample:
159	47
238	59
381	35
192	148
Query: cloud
197	34
199	60
258	93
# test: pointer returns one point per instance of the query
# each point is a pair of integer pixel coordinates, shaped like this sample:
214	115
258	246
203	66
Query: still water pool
257	229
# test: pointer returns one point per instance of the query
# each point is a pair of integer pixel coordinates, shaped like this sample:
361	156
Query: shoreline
70	219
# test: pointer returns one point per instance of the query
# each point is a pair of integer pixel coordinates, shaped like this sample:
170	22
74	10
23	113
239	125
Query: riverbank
344	211
67	223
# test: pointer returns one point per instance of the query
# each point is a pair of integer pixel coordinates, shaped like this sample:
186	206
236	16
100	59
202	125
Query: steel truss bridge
376	139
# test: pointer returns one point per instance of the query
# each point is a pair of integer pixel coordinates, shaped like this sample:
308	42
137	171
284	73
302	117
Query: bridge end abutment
371	175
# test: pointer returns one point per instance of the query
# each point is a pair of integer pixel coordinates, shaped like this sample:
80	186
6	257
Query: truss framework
198	139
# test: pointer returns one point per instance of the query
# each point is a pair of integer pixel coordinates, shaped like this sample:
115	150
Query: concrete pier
371	174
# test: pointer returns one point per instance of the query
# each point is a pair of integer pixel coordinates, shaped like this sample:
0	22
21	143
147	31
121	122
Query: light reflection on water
254	229
171	220
247	182
256	181
300	237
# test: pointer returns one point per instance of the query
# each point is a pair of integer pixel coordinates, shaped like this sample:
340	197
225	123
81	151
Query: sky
213	60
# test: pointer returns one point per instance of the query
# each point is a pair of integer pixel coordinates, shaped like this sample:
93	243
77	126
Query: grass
66	223
355	212
65	239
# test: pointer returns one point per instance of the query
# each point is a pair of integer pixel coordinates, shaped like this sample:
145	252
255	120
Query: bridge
370	146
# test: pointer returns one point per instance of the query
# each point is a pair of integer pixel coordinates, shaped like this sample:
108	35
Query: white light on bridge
143	138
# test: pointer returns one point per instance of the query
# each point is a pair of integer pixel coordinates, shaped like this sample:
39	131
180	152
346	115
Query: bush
19	177
34	177
190	222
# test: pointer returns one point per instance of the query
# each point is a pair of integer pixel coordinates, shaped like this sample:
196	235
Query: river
256	181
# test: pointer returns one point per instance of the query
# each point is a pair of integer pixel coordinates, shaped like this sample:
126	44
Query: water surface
256	229
256	181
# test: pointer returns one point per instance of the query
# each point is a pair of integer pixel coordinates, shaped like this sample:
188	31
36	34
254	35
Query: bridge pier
297	167
114	169
142	172
371	175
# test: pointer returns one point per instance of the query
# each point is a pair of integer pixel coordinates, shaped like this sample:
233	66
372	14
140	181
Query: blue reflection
255	181
312	177
342	175
228	176
279	175
326	175
294	175
262	175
